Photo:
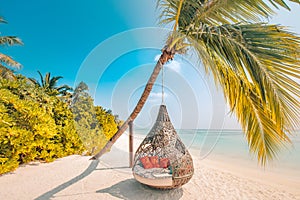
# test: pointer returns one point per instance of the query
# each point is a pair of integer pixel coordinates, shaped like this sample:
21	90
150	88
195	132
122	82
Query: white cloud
156	96
174	65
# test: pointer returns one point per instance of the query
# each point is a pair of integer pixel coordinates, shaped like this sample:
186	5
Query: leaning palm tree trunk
254	63
165	57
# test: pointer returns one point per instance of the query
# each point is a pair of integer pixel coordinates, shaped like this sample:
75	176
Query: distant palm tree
253	62
5	60
49	85
80	90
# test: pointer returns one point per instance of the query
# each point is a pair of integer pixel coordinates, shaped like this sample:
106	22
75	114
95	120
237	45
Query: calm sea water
232	144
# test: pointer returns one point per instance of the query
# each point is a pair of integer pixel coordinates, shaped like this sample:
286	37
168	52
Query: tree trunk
165	57
130	144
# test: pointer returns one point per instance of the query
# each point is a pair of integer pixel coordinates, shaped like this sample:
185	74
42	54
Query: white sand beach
77	177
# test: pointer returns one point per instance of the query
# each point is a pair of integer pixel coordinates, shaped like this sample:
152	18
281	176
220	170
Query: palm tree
5	60
254	63
80	90
49	85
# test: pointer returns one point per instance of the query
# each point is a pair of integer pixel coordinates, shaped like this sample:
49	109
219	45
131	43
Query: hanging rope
162	86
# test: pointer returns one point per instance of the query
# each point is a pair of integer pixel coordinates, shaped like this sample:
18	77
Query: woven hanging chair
162	161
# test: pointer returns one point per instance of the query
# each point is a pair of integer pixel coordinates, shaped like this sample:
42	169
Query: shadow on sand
63	186
130	189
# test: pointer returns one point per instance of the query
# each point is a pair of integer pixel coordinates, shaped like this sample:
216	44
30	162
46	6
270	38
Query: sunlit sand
77	177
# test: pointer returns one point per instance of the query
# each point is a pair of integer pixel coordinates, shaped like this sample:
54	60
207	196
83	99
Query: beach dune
77	177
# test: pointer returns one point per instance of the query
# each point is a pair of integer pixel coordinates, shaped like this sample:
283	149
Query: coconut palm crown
6	61
49	84
254	63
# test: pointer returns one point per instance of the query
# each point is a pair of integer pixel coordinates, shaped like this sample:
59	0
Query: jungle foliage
37	126
94	124
42	121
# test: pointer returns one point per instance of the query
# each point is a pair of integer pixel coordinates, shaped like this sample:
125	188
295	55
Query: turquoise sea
232	144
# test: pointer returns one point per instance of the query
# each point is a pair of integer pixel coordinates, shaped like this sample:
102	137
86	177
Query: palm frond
10	40
7	73
255	64
64	88
217	12
47	80
53	81
2	20
265	136
42	79
9	61
34	82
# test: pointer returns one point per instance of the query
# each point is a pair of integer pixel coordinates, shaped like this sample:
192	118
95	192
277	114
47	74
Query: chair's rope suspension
162	85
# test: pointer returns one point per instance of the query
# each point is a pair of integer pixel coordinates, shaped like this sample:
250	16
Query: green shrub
107	121
87	126
33	126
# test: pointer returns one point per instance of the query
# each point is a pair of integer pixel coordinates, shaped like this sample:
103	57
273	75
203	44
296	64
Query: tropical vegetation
6	61
33	126
94	124
50	85
37	125
42	121
253	62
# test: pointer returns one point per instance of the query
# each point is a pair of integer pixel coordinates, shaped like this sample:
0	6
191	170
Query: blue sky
112	45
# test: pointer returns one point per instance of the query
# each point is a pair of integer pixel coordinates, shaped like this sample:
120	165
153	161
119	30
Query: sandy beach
77	177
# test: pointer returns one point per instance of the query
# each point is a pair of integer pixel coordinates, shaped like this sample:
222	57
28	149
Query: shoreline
275	177
76	177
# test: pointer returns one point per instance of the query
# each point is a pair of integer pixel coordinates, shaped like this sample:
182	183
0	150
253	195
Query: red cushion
154	161
164	162
146	162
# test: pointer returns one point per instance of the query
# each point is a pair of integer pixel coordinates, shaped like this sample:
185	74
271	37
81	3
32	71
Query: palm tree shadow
63	186
130	189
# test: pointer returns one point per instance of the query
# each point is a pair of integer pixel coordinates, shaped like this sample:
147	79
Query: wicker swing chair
162	161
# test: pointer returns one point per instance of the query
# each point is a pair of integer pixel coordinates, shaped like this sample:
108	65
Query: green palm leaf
9	41
49	83
53	81
9	61
215	12
42	79
34	82
256	65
